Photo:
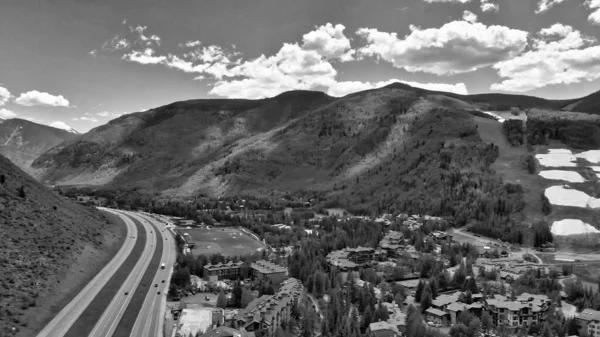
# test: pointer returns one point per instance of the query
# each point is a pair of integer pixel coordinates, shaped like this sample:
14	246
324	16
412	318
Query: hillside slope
297	140
50	248
23	141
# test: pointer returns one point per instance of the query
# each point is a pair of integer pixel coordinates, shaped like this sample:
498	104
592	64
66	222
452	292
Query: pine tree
222	300
419	290
426	299
2	179
21	191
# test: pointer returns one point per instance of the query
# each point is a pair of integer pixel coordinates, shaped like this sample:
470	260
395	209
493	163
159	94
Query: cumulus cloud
339	89
559	55
544	5
116	43
62	125
5	114
594	5
110	114
88	117
34	97
191	44
469	16
144	57
4	95
456	47
487	6
329	41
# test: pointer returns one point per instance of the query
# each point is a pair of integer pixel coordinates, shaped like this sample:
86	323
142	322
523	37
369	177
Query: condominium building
220	271
267	270
526	310
267	313
589	320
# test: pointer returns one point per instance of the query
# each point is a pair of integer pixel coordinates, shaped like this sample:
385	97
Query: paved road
150	319
112	315
63	321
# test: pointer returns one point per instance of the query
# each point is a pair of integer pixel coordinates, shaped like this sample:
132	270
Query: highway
112	314
63	321
150	319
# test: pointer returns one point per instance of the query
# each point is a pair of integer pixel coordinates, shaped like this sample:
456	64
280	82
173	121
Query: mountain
50	248
297	140
23	141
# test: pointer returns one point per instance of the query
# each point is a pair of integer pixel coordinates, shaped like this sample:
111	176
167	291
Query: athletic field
227	241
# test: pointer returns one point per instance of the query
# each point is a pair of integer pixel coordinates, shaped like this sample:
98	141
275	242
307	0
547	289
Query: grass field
226	241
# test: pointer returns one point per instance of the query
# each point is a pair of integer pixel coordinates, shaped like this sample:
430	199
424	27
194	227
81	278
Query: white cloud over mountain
4	95
35	98
559	55
5	114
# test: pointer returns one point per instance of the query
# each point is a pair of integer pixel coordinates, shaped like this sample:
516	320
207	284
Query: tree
419	290
246	298
2	179
426	299
222	300
474	327
21	192
459	330
486	320
237	293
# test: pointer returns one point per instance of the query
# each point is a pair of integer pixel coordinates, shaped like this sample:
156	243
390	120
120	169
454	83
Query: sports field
226	241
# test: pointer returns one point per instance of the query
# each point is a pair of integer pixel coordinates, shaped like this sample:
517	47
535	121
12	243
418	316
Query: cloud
143	39
4	95
558	55
34	97
456	47
340	89
594	5
116	43
110	114
144	57
487	6
329	41
469	16
5	114
544	5
191	44
62	125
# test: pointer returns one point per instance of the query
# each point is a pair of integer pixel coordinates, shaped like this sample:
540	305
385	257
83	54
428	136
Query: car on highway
158	293
207	298
126	293
163	281
155	285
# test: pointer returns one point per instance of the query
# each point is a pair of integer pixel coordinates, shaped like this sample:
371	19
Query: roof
224	331
444	299
227	265
456	306
435	312
589	315
266	267
383	325
409	283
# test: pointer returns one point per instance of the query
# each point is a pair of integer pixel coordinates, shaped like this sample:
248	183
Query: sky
81	63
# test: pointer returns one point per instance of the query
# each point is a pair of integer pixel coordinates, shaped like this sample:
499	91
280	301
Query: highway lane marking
132	282
65	319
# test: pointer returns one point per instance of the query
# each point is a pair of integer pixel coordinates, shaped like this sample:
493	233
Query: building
224	331
196	319
392	243
440	237
351	258
220	271
267	270
383	329
436	316
526	310
589	320
267	313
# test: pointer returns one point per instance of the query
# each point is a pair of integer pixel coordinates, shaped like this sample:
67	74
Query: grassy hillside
23	141
50	248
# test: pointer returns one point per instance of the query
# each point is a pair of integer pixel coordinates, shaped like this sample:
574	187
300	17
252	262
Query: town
393	275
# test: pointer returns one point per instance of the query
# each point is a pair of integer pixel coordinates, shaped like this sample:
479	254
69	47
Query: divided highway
150	319
63	321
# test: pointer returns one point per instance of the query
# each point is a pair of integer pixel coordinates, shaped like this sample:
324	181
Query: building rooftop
444	299
383	325
194	319
435	312
589	315
227	265
266	267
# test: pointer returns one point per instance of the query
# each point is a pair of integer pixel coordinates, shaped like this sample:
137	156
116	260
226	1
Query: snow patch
558	195
595	168
570	176
593	156
559	151
496	117
571	227
557	159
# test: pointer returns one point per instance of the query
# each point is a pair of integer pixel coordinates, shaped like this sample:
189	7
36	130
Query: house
383	329
436	316
444	300
351	258
589	320
440	237
267	270
224	331
455	309
220	271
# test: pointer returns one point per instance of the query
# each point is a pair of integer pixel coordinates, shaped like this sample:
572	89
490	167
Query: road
63	321
112	314
150	319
